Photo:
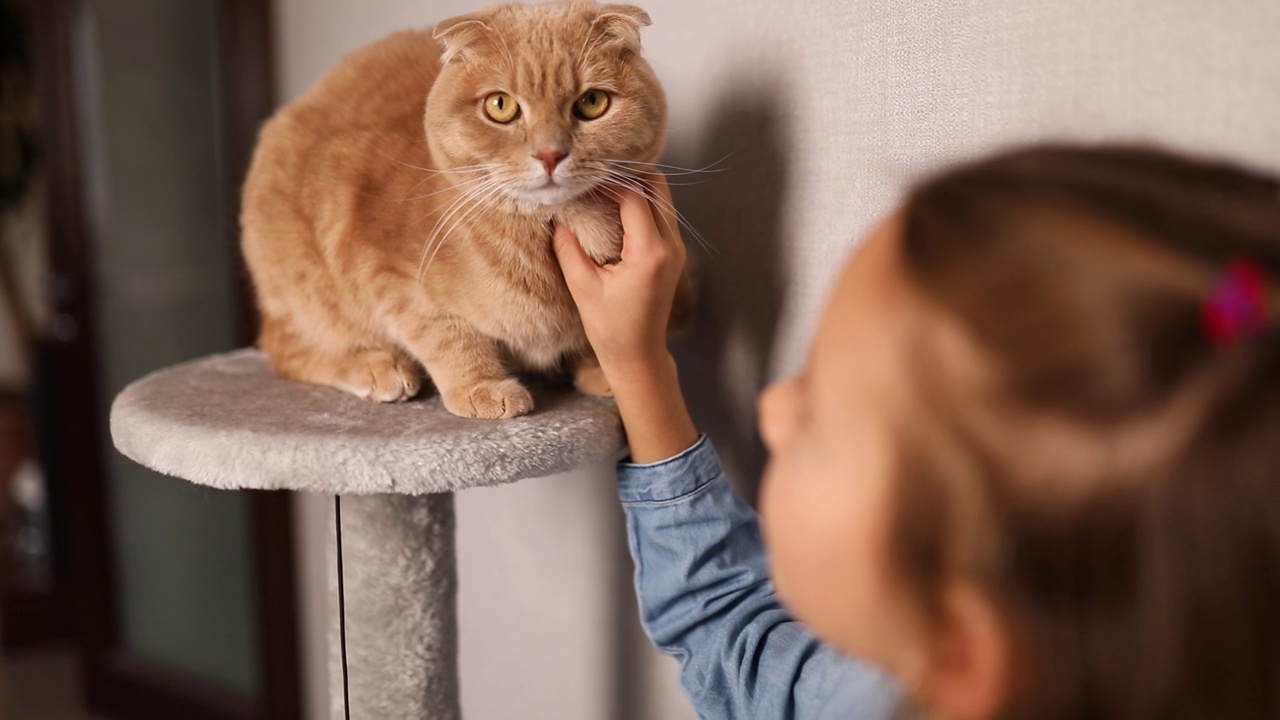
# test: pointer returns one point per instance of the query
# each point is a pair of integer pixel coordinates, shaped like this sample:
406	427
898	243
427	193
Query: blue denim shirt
705	597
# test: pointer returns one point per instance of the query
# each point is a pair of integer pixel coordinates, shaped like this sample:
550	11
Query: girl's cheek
787	496
768	488
774	524
776	511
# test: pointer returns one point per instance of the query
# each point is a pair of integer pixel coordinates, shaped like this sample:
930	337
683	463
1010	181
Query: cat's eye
591	105
501	107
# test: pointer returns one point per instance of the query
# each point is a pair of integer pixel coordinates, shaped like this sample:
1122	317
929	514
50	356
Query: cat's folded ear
458	34
620	25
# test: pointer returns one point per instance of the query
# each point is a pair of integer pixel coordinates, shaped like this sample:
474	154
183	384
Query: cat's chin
542	200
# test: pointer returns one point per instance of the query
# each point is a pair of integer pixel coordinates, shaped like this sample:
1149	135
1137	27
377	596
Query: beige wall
828	108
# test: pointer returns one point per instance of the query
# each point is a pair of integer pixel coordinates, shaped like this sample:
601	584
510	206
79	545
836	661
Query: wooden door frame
116	683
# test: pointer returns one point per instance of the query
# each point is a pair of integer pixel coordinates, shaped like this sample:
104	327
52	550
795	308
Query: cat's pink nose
550	158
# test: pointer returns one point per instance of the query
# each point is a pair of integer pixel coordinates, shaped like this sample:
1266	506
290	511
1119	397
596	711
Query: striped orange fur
390	224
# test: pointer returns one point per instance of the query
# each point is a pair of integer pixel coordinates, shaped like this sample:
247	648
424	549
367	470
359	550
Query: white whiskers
457	185
637	167
637	185
630	174
480	194
457	216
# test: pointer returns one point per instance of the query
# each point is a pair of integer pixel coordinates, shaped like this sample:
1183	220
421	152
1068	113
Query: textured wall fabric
831	108
822	111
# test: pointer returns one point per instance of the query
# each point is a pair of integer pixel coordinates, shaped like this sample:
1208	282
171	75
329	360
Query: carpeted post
401	583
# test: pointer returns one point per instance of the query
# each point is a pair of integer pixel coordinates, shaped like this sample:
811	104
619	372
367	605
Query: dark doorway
179	601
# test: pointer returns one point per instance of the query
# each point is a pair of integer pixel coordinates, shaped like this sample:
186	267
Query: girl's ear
968	665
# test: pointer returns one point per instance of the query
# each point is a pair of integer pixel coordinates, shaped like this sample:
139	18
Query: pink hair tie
1236	307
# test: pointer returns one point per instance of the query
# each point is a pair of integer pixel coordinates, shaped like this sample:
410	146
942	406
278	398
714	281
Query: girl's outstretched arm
706	599
701	576
625	308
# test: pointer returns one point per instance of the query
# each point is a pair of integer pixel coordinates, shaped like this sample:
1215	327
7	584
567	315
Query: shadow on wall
724	358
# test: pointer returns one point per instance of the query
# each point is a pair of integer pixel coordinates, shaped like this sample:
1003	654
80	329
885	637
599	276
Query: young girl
1031	470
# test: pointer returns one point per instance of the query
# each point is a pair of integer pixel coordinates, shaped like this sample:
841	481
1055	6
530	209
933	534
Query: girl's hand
625	307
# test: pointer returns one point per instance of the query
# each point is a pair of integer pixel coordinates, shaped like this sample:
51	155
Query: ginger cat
399	214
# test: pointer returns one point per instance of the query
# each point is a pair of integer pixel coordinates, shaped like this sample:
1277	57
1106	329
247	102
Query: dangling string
342	609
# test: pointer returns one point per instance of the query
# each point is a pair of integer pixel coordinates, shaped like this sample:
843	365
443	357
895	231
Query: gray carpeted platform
228	421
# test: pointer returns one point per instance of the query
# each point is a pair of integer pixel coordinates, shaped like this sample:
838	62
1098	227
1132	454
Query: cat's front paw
379	376
489	400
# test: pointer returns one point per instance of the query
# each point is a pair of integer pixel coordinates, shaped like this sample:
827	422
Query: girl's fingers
665	206
649	220
640	231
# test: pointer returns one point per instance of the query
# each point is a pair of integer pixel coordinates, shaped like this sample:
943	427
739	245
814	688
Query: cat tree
227	421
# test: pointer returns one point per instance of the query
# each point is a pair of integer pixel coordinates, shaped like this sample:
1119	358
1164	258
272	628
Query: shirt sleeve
705	598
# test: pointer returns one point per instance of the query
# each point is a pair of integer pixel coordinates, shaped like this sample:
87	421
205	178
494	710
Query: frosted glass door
148	91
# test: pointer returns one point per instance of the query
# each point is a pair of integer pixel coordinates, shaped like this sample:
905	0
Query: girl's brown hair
1115	486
